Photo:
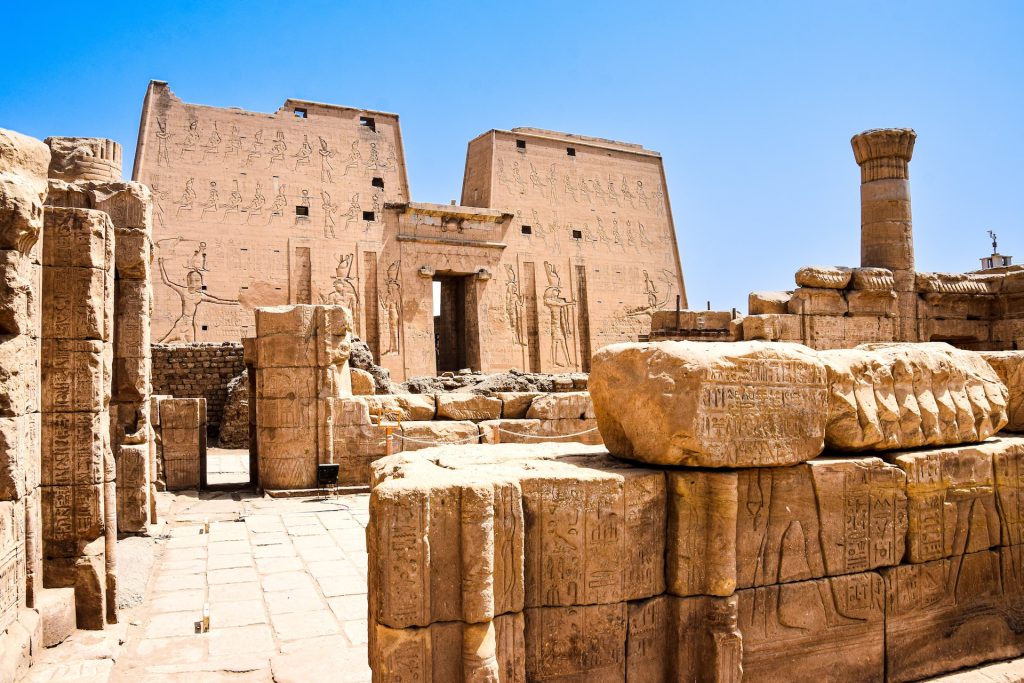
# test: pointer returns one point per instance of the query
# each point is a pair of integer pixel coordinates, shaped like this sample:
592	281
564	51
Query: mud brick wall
197	371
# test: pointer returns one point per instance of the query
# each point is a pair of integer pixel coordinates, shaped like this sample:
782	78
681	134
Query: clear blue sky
751	104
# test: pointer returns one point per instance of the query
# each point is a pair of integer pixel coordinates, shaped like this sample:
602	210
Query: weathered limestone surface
419	435
531	431
362	383
302	357
1009	366
515	404
827	629
576	405
403	406
888	396
759	527
84	159
953	613
759	303
710	404
817	301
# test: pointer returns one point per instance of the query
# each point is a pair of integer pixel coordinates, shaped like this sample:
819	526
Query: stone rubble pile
771	550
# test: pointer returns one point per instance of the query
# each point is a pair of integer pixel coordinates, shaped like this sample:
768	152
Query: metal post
388	439
495	434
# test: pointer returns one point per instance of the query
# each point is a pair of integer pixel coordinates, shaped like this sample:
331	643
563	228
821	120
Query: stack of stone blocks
423	420
23	164
198	370
85	173
301	366
760	512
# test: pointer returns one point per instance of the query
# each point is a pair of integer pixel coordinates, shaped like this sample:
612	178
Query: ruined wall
261	209
23	164
198	371
591	248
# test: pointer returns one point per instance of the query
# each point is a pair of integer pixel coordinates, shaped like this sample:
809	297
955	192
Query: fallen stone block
57	612
362	383
744	404
514	404
575	405
888	396
808	301
419	435
415	407
474	407
539	431
1009	366
760	303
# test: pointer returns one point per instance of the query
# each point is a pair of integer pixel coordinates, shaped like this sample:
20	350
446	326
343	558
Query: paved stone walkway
227	466
286	584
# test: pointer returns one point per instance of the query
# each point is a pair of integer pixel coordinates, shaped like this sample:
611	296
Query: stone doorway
456	333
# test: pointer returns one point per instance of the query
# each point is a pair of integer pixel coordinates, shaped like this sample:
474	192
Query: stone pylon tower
886	227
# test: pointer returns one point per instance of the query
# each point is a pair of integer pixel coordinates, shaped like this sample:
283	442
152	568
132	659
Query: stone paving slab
285	580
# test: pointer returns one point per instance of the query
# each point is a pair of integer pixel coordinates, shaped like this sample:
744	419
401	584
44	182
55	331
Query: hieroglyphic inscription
576	644
759	409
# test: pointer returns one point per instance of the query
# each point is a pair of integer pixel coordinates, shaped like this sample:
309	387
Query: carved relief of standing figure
329	210
391	310
514	302
346	290
162	158
192	294
559	309
326	170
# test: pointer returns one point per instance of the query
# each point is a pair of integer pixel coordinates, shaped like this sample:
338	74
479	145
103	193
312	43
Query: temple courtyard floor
284	581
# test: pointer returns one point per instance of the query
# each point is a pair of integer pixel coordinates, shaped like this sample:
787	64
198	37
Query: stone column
302	356
886	228
78	466
86	173
23	163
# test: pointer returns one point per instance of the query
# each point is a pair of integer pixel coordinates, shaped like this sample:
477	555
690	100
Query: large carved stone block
824	277
19	375
887	396
826	629
534	431
816	301
760	303
73	447
514	404
591	531
133	254
182	413
879	303
452	651
580	644
73	376
1009	366
72	518
954	613
87	574
77	303
132	331
131	379
744	404
286	383
78	238
75	158
302	335
773	327
952	503
759	527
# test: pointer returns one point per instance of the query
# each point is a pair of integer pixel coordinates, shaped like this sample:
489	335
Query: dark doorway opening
456	335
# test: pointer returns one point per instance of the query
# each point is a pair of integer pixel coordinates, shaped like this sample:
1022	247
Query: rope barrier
470	439
547	437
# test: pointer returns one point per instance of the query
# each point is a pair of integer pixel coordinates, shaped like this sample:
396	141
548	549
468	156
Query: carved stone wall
201	370
77	477
181	439
261	209
23	164
311	205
